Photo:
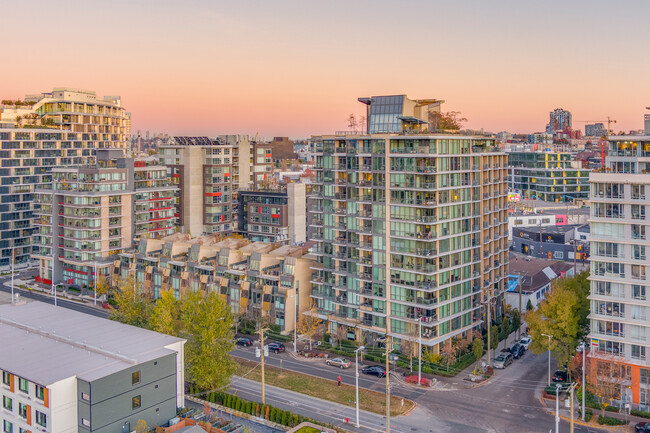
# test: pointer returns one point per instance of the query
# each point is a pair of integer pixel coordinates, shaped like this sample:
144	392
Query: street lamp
295	325
356	361
549	357
420	351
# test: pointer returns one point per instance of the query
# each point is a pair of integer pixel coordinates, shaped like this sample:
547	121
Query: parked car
525	341
339	362
642	427
517	351
560	376
374	370
503	360
276	347
244	341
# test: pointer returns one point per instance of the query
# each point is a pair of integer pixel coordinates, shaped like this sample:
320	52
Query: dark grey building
69	371
557	242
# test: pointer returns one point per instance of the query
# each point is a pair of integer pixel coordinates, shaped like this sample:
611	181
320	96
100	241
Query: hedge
608	420
265	411
612	409
640	413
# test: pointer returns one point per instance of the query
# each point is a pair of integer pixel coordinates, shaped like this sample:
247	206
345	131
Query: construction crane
603	139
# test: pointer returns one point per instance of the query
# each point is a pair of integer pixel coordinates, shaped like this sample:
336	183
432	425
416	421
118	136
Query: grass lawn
307	429
322	388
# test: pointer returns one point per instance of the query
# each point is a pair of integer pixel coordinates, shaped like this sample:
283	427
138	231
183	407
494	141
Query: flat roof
46	344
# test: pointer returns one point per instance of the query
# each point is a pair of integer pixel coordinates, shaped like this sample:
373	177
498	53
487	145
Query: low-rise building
256	279
65	371
277	215
557	243
90	213
530	279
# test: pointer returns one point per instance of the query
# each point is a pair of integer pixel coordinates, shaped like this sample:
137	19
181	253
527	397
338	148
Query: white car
525	341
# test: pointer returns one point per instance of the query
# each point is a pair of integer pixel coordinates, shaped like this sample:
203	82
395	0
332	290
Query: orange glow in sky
296	68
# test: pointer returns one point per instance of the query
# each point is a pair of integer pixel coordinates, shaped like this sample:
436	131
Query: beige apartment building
88	214
209	173
255	278
77	111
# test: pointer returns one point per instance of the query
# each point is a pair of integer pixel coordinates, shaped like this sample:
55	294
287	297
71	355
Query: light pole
13	258
557	408
549	357
356	361
420	351
584	384
95	300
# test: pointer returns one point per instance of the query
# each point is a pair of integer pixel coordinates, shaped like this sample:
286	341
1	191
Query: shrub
426	369
608	420
414	379
588	415
272	416
611	409
640	413
285	419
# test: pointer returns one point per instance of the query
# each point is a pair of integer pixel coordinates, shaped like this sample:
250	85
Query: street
509	402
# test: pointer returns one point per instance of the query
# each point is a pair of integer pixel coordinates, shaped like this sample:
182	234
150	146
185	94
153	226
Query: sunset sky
296	68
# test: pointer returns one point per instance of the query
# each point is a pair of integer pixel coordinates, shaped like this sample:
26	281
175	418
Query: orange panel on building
46	397
29	415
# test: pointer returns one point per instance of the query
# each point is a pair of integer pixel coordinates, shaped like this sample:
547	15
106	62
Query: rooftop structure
397	113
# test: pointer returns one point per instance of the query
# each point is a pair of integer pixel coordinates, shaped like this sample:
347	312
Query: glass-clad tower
409	227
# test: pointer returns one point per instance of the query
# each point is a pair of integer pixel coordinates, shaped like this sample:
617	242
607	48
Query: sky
296	68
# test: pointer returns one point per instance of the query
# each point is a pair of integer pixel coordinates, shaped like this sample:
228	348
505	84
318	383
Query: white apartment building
619	264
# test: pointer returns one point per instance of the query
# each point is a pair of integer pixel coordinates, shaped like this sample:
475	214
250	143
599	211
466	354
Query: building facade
548	176
595	130
274	215
256	279
91	375
559	120
409	229
215	170
88	214
619	264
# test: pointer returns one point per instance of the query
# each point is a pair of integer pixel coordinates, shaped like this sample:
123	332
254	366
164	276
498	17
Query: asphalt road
73	305
507	403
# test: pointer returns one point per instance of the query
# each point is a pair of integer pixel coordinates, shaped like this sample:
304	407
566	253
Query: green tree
207	325
494	337
563	316
477	348
131	306
529	305
505	330
165	317
515	319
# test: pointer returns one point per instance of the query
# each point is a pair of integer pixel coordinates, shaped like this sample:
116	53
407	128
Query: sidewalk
31	285
565	414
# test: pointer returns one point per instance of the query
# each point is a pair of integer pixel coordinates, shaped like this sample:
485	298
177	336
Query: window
559	255
40	392
638	292
135	402
22	430
23	385
85	396
135	377
85	422
8	427
41	419
7	403
22	410
638	352
6	378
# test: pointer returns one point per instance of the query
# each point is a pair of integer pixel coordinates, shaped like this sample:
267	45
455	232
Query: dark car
374	370
244	341
560	376
642	427
517	351
276	347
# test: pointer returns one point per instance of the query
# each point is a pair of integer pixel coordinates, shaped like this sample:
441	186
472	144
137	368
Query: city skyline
204	68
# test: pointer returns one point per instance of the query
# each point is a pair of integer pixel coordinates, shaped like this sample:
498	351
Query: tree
132	307
340	333
141	426
309	323
605	378
450	351
207	325
563	316
505	330
477	349
515	317
165	317
529	305
449	121
102	285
